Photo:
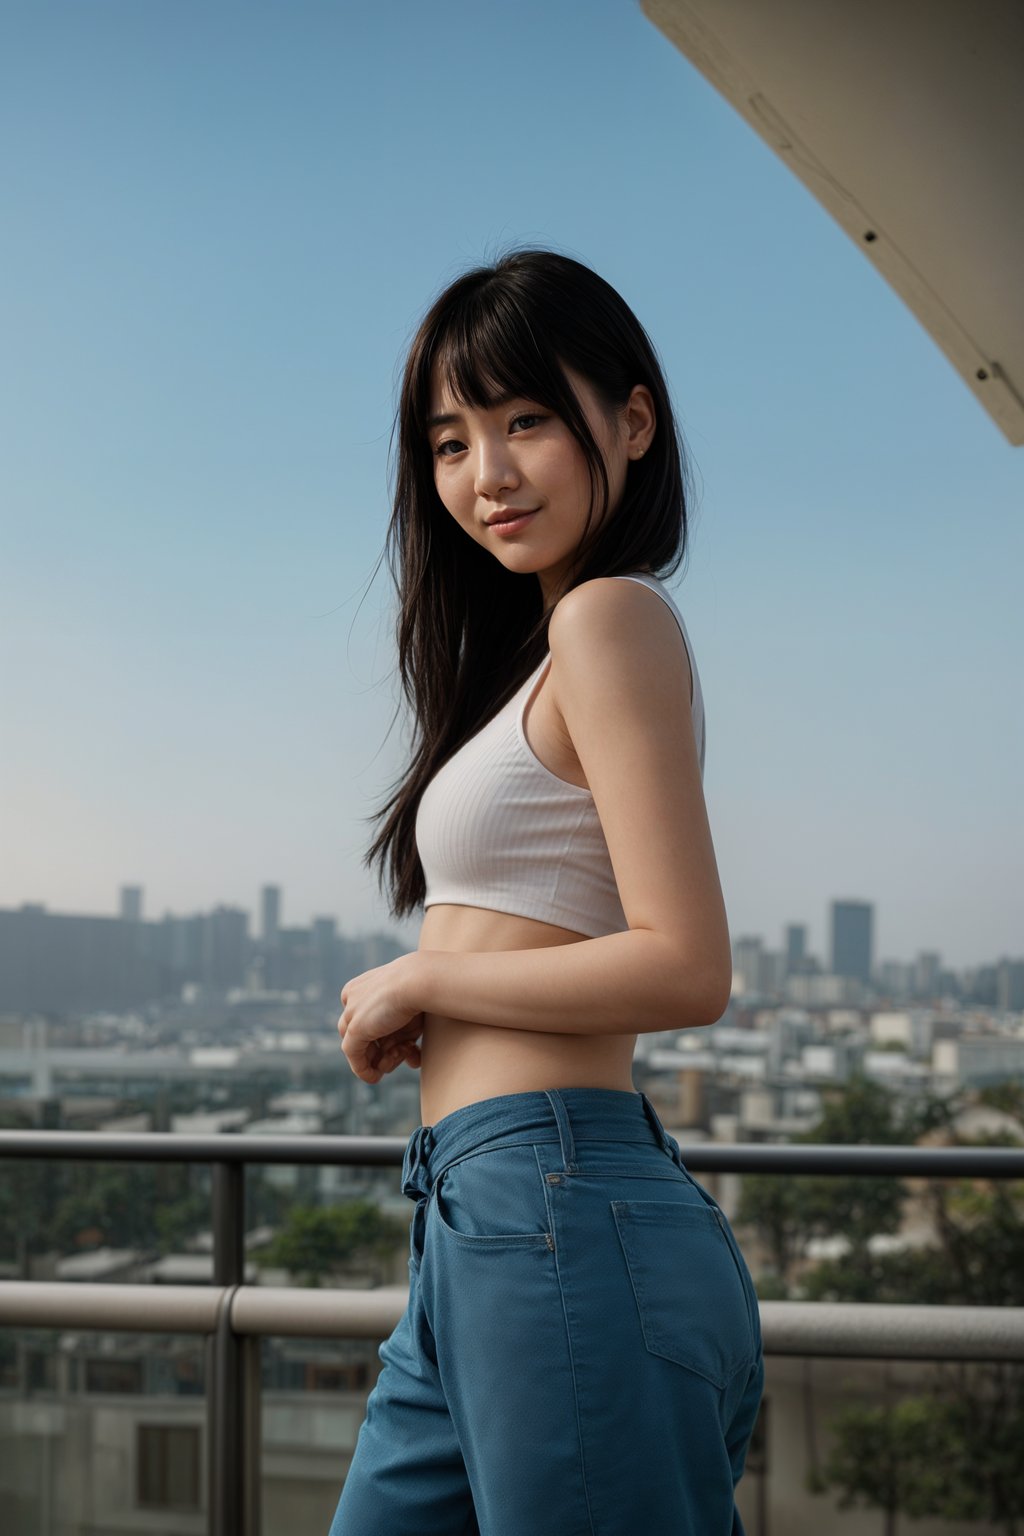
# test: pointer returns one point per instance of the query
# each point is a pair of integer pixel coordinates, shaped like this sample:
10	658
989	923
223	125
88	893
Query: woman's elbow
689	993
706	1004
721	990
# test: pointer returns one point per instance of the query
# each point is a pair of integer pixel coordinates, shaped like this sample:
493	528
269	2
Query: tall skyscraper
270	907
796	947
851	939
131	903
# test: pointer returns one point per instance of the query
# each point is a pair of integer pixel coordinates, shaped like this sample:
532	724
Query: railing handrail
820	1328
864	1330
826	1158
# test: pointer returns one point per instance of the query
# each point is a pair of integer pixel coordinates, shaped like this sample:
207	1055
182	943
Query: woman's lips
512	525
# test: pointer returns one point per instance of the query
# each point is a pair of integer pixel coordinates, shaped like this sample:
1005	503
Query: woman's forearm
623	983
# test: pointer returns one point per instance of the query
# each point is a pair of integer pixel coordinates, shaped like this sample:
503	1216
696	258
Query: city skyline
815	947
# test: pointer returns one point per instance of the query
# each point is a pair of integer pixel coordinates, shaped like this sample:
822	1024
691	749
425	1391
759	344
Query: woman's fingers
396	1054
388	1056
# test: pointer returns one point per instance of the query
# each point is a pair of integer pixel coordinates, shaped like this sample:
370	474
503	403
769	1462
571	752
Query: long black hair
469	630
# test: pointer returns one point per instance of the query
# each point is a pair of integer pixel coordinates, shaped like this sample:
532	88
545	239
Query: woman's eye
530	418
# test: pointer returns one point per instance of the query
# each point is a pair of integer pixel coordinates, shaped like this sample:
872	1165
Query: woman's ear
641	420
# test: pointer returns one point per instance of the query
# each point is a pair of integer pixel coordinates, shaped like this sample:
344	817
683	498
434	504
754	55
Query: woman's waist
462	1062
503	1042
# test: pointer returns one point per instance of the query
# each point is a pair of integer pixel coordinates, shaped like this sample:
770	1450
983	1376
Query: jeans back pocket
689	1293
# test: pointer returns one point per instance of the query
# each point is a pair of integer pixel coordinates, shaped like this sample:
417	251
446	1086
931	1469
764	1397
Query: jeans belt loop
415	1165
565	1136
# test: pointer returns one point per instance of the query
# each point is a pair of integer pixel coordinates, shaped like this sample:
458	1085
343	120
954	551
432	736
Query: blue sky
221	225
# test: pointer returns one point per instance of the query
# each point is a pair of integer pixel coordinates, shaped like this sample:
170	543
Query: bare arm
621	680
623	983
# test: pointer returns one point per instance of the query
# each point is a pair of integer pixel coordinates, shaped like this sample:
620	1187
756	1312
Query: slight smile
511	523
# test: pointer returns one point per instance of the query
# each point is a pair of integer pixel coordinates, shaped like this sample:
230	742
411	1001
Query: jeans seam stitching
733	1247
575	1396
545	1187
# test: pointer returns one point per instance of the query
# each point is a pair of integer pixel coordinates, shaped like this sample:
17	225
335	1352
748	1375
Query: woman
581	1352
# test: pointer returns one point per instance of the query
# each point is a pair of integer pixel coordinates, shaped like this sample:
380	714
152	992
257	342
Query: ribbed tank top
495	828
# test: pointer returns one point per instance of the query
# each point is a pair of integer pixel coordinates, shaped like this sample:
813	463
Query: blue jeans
581	1352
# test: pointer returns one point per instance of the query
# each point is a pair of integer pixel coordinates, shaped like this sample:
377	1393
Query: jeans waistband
564	1115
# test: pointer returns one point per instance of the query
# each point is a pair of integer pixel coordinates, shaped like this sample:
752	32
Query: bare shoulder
610	622
603	594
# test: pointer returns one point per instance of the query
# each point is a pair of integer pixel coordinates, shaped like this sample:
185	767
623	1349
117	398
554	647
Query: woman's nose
495	470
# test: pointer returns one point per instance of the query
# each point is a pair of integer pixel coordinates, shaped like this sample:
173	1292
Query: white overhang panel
904	118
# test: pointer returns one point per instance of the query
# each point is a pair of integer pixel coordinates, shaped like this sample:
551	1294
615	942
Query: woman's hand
380	1023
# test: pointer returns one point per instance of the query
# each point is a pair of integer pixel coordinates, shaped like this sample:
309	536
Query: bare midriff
461	1063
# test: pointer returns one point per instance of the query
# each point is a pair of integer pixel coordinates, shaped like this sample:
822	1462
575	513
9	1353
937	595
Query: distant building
851	925
978	1061
225	947
747	965
824	990
926	973
1010	986
796	947
270	913
58	963
913	1030
895	979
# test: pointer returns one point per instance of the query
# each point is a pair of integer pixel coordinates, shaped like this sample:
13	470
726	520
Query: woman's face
519	457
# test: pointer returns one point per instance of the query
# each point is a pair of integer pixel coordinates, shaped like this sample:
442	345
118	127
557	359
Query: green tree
962	1461
151	1207
887	1456
770	1204
317	1241
908	1274
178	1220
107	1204
266	1203
787	1210
1008	1096
932	1112
27	1192
951	1455
986	1408
977	1260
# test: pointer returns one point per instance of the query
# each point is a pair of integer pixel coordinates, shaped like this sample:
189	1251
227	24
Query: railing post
226	1389
228	1223
252	1446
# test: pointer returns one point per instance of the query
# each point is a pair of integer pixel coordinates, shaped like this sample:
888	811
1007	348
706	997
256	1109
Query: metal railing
234	1316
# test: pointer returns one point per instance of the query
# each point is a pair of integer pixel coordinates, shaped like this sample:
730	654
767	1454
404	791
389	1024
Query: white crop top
495	828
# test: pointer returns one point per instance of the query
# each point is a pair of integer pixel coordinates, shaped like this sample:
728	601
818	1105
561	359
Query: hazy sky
221	224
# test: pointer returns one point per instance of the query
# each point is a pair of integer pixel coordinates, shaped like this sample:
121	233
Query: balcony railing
234	1316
